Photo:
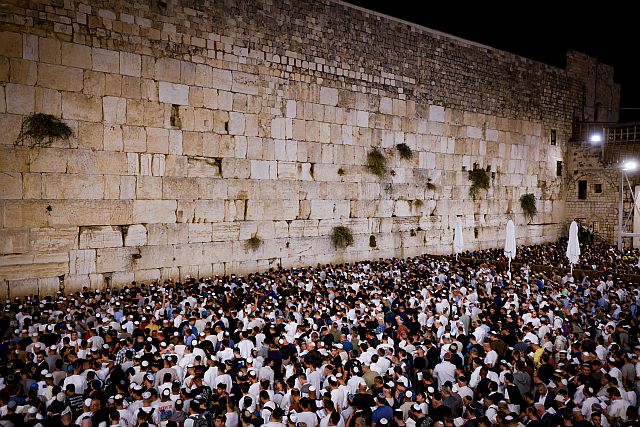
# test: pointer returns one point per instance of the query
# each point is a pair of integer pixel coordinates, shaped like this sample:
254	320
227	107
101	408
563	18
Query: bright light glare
596	137
629	165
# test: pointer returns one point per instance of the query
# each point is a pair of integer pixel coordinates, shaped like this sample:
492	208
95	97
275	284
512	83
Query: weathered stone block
78	106
149	187
130	64
82	261
328	96
10	185
113	138
154	211
105	60
134	139
171	93
48	101
53	239
168	70
14	241
135	235
20	99
23	72
114	109
11	45
17	267
100	237
76	55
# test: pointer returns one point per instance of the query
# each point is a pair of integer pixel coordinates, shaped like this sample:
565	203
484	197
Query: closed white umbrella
510	244
458	241
573	247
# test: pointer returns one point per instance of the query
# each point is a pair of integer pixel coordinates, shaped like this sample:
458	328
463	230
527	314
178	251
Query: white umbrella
573	247
510	244
458	241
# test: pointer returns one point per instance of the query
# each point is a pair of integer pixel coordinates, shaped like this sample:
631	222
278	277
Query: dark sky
543	31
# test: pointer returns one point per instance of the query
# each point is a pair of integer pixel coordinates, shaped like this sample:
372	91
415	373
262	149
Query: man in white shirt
445	371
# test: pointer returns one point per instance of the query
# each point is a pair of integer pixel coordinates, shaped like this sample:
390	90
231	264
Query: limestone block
436	113
130	64
147	276
168	70
474	132
222	79
48	160
154	211
199	233
82	261
135	235
76	283
3	103
260	169
362	118
94	83
48	101
145	163
122	278
14	241
17	267
105	60
30	47
287	170
328	96
57	186
113	140
134	138
203	76
234	210
272	209
158	140
20	99
290	109
386	105
11	45
59	239
76	55
148	187
115	259
322	209
48	50
225	231
115	110
23	72
236	168
171	93
278	128
100	237
175	142
10	185
78	106
158	165
236	123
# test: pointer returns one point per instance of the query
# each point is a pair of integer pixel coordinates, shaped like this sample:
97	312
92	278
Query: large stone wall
199	125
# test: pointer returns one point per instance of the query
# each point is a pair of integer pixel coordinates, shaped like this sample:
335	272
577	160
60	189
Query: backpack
200	421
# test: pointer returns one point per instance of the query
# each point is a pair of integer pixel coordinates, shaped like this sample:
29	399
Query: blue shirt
382	412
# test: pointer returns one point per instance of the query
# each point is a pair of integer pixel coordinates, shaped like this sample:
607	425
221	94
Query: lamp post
627	166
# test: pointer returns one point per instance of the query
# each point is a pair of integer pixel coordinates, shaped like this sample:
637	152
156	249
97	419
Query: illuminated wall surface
199	125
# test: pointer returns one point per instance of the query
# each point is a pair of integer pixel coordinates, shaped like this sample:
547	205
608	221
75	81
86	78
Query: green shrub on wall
479	181
376	162
341	237
253	243
405	151
528	204
42	129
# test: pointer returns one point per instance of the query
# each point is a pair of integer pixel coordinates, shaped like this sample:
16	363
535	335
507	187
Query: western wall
201	127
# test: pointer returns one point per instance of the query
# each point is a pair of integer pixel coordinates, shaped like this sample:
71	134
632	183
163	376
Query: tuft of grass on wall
376	162
405	151
341	237
42	129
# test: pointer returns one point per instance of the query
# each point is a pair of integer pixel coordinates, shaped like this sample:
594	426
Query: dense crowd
594	256
415	342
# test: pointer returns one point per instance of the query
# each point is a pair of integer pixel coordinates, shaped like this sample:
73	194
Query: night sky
540	31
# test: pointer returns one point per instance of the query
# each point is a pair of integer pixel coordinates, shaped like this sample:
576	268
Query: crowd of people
415	342
595	256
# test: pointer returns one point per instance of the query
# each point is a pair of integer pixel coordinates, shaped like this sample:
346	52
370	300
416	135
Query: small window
553	137
559	168
597	188
582	190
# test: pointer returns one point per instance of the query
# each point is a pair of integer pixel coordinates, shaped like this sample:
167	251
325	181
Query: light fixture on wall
595	138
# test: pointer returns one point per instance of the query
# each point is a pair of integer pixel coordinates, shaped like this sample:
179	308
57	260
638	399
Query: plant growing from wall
405	151
42	129
430	186
372	241
253	243
376	162
341	172
479	181
341	237
528	204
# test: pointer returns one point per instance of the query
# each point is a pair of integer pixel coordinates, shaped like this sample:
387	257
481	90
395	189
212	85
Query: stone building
233	136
